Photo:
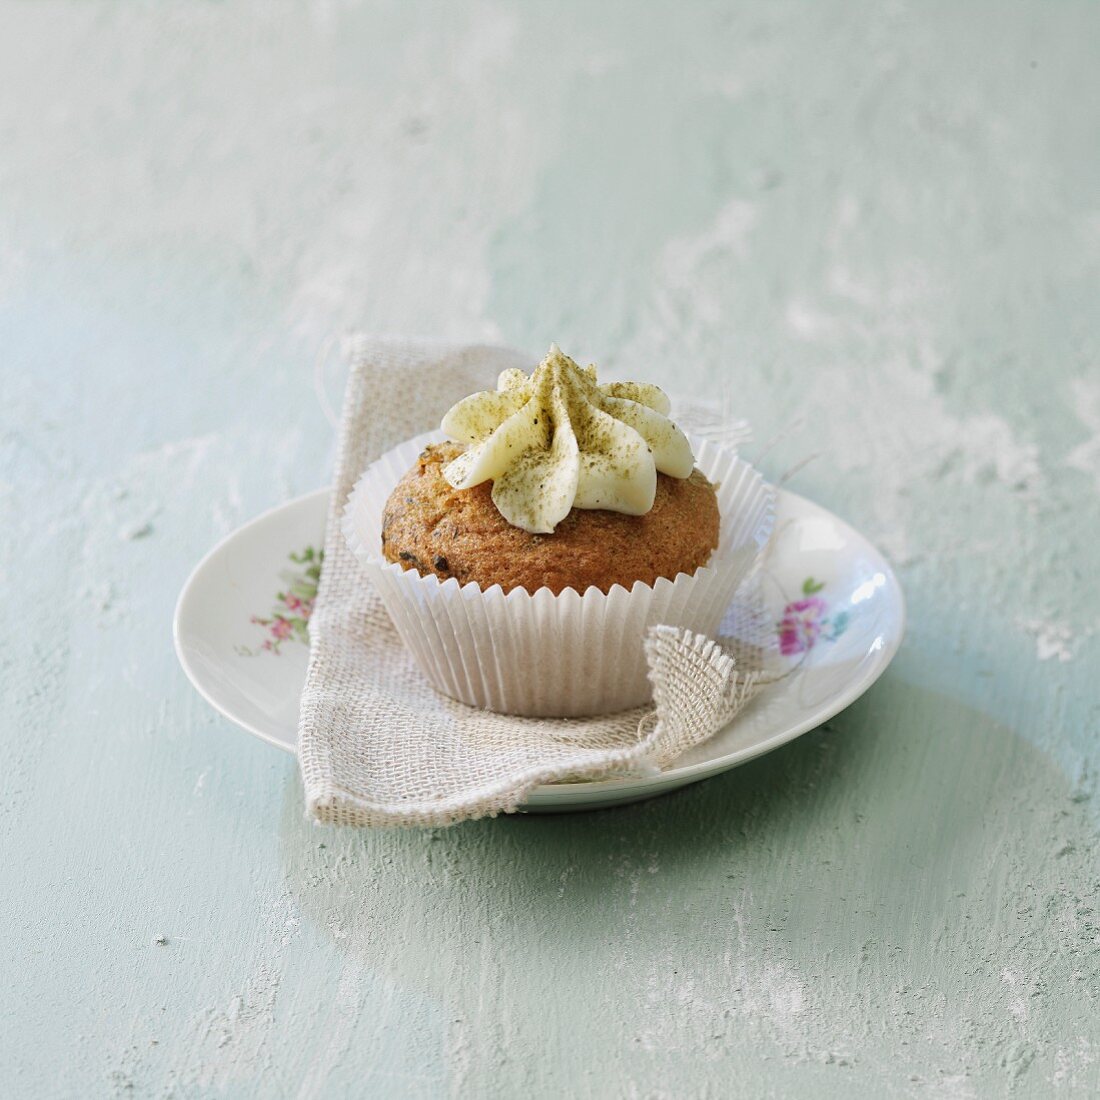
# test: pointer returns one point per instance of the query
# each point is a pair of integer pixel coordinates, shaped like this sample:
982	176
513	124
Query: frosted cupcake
524	551
555	482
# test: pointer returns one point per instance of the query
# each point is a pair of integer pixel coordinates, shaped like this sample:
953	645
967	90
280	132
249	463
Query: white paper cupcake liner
542	655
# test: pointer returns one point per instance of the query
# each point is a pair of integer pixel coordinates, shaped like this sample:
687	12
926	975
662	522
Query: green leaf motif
308	554
810	586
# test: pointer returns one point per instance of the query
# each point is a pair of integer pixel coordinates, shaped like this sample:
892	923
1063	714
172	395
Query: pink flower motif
801	625
293	605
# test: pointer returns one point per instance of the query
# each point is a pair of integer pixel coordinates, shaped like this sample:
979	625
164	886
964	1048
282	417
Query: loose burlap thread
376	744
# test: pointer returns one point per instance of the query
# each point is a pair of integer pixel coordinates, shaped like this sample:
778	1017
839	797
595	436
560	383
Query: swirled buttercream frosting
556	439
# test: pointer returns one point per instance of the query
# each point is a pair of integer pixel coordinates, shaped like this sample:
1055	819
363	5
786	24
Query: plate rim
547	793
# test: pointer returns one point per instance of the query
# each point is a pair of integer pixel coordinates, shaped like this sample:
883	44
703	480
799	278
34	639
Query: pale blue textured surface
875	225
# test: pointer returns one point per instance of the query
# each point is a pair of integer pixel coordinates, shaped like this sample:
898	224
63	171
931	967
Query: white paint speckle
1053	640
1086	404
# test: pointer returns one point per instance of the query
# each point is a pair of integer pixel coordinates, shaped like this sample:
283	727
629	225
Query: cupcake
524	550
432	527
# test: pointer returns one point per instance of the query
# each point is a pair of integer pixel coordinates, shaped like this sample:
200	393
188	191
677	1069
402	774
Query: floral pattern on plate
807	621
289	618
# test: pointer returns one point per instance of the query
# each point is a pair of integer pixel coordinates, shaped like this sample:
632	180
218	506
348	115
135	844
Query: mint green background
874	227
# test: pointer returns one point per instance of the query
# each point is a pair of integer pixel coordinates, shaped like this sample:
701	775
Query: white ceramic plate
838	609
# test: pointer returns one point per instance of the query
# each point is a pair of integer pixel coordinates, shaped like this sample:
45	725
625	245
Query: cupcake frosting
556	439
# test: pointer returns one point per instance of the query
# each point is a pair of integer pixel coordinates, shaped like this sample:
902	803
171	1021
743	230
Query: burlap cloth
377	745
